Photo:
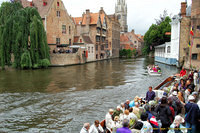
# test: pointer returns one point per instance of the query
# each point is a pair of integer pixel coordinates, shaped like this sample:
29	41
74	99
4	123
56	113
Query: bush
44	63
26	60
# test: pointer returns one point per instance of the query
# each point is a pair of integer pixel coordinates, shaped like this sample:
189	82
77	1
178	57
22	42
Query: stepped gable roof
87	39
43	10
124	38
77	20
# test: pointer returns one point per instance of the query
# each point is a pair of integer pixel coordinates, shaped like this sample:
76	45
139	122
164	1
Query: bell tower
121	13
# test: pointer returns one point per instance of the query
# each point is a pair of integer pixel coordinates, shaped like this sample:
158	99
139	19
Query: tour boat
152	73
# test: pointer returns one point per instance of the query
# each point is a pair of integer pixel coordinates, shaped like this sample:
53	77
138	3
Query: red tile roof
77	20
124	38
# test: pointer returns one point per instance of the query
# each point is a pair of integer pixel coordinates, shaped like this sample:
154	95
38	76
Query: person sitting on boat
192	115
117	112
150	95
96	128
127	104
133	117
176	102
183	72
147	128
152	119
176	126
122	107
125	115
85	128
125	128
109	121
136	110
117	124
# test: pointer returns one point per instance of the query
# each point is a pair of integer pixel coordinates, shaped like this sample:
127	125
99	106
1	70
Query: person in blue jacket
192	115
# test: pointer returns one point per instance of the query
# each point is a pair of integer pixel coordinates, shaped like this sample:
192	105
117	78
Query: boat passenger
163	114
125	115
150	95
136	110
152	119
127	104
109	121
176	102
133	117
183	72
117	124
192	115
195	94
96	128
122	107
147	128
85	128
125	128
195	78
176	126
117	112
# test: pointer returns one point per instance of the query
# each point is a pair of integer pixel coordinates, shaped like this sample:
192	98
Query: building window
97	39
198	46
102	47
58	13
96	47
44	3
168	49
58	4
88	49
64	29
98	30
57	41
119	17
92	49
198	27
80	40
194	56
135	41
70	41
106	45
103	39
69	29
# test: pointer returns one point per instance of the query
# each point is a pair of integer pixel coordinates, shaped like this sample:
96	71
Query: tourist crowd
176	111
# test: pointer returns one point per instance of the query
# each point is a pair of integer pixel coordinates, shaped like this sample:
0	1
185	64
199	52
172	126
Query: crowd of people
62	50
177	111
156	68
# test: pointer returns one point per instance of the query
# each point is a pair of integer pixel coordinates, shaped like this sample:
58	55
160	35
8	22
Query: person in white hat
177	125
109	121
192	114
117	112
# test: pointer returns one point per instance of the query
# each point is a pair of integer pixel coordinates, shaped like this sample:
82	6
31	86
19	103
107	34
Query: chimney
133	31
88	11
183	8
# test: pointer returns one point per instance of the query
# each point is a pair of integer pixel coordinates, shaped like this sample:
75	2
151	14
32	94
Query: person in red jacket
183	72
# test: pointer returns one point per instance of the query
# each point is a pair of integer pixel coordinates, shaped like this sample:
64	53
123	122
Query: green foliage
127	53
44	63
22	34
26	60
156	33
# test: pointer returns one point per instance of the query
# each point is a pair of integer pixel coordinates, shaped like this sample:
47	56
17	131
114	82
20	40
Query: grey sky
141	13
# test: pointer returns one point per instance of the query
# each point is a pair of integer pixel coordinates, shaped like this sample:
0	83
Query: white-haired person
109	120
176	126
85	128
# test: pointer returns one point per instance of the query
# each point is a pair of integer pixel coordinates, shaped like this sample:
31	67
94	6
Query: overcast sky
141	13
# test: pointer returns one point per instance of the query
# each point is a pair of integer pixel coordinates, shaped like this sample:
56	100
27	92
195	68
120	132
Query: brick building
113	35
137	41
190	55
58	24
125	42
94	25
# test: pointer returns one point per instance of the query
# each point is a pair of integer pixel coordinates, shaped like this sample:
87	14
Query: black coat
163	114
192	113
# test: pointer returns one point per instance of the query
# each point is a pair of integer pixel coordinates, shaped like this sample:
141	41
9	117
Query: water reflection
62	99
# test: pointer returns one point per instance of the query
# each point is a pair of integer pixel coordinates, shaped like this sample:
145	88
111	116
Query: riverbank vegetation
156	33
23	41
127	53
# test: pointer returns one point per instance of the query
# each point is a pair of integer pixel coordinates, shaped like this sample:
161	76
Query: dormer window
58	4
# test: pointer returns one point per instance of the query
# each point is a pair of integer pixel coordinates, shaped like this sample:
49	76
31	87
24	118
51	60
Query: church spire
121	13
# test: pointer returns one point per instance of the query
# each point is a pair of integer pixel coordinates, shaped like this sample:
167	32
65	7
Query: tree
22	34
156	33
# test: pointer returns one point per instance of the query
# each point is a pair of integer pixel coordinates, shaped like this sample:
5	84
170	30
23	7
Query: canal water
62	99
